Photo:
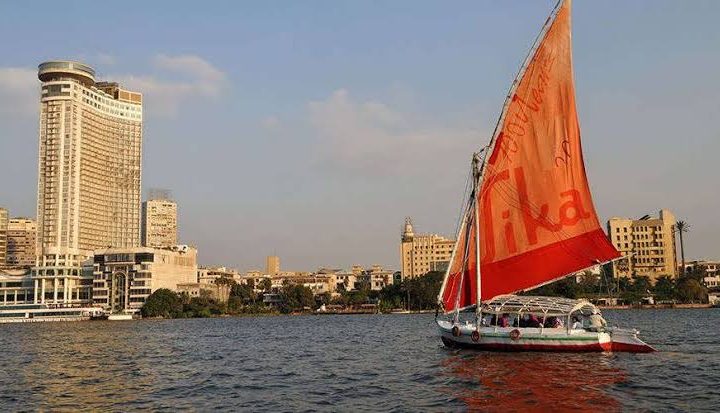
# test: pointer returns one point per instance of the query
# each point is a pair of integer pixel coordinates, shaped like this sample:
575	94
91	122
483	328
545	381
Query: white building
123	278
89	172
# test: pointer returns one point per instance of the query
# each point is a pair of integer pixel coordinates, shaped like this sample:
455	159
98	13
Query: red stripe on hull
631	348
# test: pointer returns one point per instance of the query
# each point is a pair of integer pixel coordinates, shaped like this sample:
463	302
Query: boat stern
627	341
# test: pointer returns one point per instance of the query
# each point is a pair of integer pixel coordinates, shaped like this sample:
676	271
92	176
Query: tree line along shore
417	295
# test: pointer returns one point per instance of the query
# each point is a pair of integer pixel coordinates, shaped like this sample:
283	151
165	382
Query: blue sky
310	129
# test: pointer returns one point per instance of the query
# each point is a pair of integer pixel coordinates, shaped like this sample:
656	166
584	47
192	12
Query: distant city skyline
311	131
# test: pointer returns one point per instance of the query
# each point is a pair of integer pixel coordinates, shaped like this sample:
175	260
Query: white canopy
520	304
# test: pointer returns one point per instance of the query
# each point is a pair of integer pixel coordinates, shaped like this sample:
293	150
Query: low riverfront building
123	278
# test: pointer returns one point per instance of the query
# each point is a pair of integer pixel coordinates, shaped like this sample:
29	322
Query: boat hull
540	339
120	317
512	346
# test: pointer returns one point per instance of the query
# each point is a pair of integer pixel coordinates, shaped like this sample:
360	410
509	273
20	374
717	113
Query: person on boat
577	323
597	322
504	321
534	321
554	322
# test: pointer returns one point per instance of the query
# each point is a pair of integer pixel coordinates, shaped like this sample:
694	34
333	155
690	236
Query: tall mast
476	195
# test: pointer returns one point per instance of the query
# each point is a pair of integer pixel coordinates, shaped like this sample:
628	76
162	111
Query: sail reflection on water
535	381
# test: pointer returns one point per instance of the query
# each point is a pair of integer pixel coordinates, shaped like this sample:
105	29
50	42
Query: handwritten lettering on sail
537	218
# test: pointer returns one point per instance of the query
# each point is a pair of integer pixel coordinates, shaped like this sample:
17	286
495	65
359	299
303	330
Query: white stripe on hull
545	339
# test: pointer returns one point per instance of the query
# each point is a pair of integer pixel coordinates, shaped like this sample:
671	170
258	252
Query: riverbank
654	306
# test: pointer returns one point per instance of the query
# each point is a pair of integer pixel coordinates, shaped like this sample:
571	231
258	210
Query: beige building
123	278
89	170
649	244
3	236
420	254
378	277
21	242
344	281
220	292
208	275
159	223
273	265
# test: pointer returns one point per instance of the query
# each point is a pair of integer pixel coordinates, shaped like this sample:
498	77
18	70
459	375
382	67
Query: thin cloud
18	91
177	79
190	65
377	139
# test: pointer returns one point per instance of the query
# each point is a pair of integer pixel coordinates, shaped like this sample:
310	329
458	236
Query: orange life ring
515	335
475	336
456	331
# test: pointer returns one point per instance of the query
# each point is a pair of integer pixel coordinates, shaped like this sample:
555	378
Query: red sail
537	219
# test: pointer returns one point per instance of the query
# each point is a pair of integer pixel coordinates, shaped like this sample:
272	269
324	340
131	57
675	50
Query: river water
347	363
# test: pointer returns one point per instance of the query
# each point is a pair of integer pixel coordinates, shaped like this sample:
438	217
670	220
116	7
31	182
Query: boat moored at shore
30	313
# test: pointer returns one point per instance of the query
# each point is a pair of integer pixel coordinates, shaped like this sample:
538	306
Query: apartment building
648	243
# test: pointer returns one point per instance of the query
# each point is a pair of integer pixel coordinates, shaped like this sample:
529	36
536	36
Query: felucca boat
530	220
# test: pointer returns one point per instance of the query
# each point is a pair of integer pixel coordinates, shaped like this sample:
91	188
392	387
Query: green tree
392	296
363	284
664	288
636	289
641	284
296	298
424	290
250	282
266	285
342	299
325	298
690	290
235	305
244	292
631	297
357	297
225	281
682	227
589	283
203	306
162	303
567	287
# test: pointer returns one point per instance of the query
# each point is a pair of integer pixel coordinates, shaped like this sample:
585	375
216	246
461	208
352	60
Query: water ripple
392	363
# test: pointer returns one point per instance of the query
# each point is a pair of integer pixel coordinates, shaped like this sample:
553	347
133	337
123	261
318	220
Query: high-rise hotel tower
89	172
